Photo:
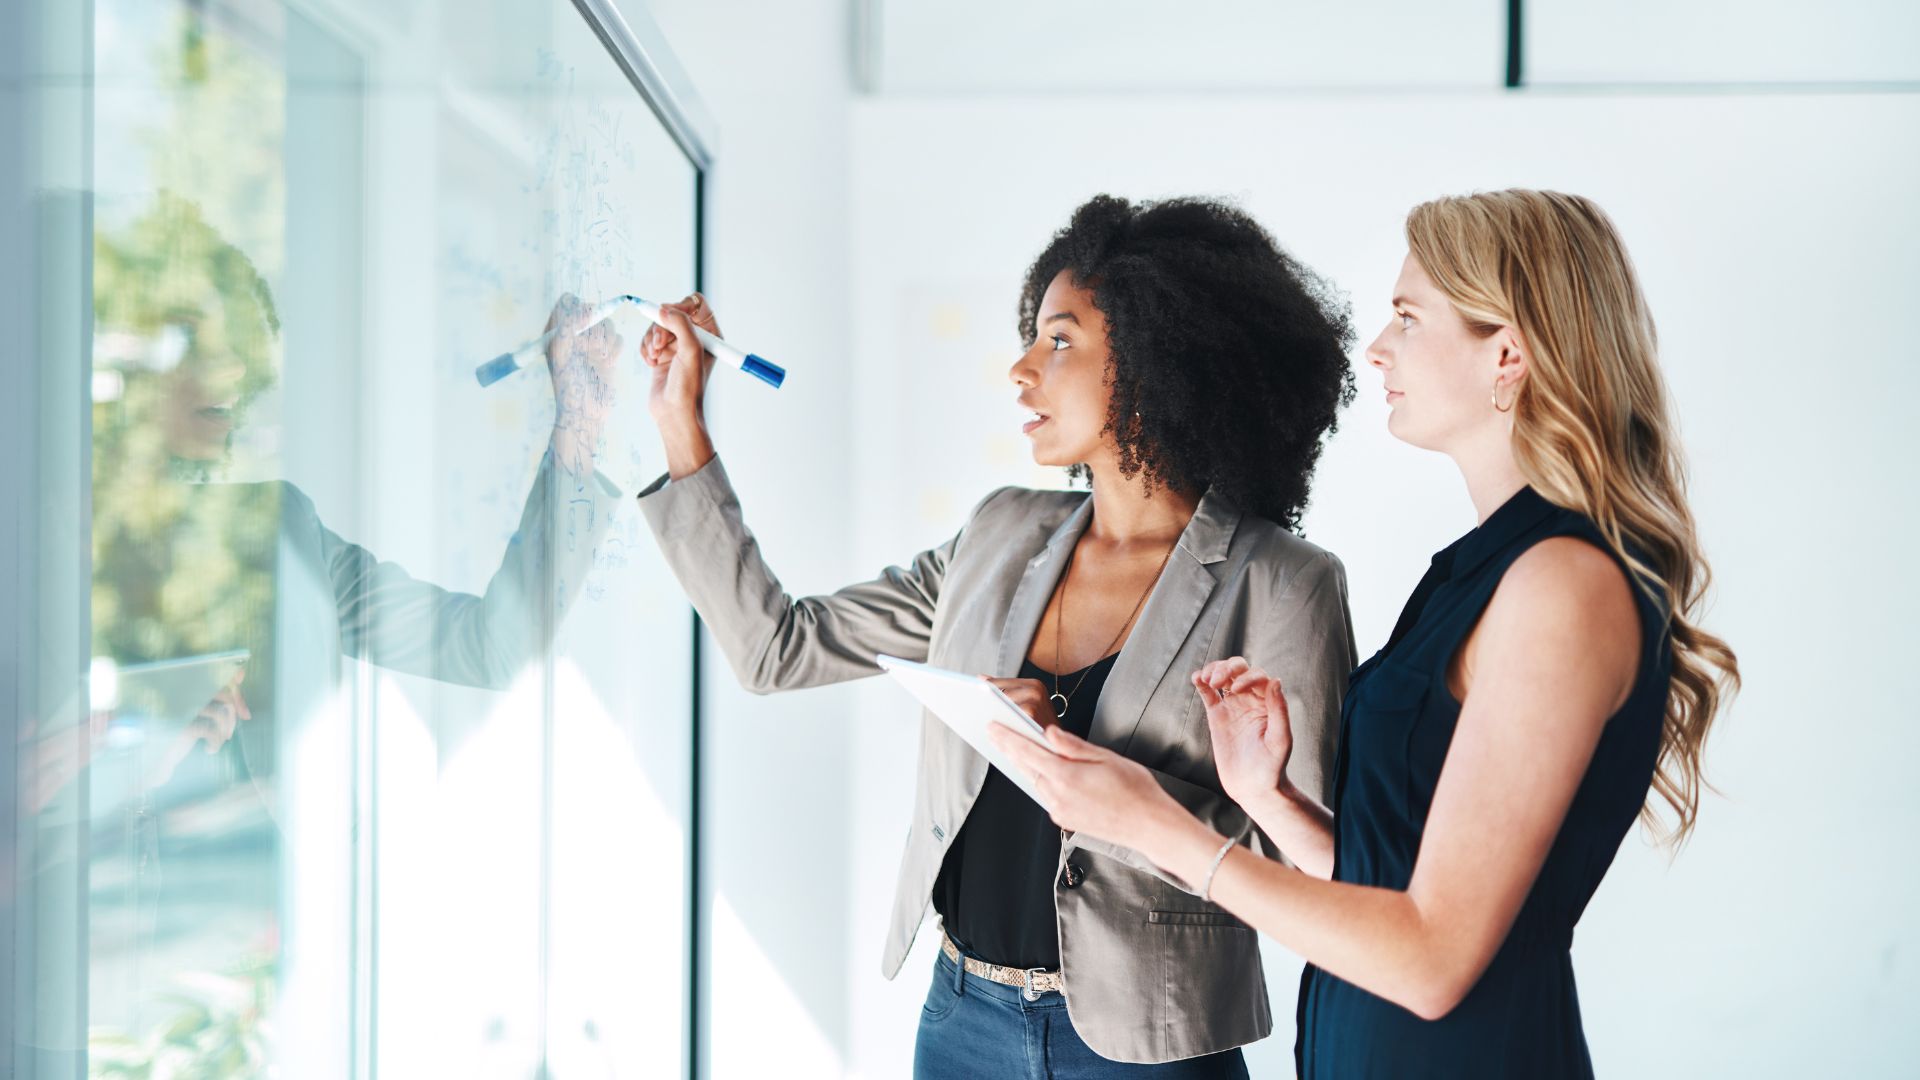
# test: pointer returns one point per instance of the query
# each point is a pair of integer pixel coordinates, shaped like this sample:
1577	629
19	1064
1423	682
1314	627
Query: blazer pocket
1195	918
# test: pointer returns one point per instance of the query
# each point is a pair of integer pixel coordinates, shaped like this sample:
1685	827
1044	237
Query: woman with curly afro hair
1185	367
1226	357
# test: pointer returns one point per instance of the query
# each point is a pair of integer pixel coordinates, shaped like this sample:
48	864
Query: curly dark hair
1232	352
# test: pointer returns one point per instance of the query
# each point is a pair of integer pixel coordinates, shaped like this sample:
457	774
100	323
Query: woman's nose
1022	372
1377	353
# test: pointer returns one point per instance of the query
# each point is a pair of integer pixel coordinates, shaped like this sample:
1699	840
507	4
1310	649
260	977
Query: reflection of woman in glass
1175	355
186	568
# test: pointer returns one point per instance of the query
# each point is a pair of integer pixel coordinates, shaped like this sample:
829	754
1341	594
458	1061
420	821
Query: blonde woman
1544	675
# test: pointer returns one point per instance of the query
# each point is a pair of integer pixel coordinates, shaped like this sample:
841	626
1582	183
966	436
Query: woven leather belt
1032	981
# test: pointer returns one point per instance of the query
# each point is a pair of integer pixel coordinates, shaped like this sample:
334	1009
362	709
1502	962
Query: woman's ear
1513	364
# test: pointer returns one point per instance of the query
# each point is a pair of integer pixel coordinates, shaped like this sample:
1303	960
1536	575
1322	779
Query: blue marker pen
536	350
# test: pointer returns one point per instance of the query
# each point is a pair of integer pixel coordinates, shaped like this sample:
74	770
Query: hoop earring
1496	399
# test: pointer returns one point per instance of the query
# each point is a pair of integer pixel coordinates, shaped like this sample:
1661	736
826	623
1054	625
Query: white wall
1775	236
1152	46
1722	41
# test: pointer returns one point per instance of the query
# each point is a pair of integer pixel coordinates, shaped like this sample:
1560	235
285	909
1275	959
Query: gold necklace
1058	699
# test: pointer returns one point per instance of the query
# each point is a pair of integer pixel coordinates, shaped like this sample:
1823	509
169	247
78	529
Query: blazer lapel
1165	623
1035	589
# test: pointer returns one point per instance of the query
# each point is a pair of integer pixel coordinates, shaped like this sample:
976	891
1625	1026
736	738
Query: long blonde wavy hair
1591	427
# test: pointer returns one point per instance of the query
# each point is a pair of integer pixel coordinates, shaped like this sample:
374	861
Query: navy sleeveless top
1522	1018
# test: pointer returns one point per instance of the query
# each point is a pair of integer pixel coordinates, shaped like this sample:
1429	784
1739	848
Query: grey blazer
1152	973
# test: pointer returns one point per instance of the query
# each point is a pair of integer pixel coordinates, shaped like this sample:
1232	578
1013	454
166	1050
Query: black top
995	889
1522	1019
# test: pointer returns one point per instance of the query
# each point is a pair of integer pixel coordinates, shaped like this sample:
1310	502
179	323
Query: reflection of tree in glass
186	332
221	1031
188	328
221	140
186	337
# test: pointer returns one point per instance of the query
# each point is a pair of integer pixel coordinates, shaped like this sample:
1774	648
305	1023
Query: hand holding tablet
967	703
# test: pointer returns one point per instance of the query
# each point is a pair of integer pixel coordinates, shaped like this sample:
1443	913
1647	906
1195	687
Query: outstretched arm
397	621
774	640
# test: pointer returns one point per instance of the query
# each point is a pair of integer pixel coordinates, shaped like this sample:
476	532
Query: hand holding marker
507	363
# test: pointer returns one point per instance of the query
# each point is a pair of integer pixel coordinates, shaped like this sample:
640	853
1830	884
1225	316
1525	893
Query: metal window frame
640	48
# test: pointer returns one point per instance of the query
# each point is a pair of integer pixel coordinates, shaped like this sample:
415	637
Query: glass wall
371	754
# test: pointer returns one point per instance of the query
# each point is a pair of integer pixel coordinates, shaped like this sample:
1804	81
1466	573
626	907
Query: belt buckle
1028	991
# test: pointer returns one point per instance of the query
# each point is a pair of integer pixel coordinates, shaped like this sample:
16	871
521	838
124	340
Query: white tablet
965	703
163	697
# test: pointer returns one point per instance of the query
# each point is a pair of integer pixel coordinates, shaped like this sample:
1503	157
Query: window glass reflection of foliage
185	324
185	320
180	566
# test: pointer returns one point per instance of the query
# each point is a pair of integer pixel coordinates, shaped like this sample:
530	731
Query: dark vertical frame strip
696	788
1516	73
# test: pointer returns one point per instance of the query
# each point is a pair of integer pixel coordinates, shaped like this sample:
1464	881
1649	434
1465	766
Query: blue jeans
972	1027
